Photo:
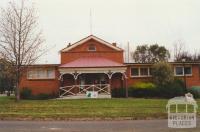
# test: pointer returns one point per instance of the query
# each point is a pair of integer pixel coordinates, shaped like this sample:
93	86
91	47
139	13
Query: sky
136	22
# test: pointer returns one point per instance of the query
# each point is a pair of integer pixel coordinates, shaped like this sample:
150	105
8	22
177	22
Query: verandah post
125	80
110	85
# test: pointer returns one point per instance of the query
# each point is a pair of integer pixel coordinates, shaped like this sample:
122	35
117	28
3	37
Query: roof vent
114	44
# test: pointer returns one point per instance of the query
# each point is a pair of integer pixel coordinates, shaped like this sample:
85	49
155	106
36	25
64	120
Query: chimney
69	44
114	44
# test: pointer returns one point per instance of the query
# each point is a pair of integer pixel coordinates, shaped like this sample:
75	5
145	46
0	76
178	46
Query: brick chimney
114	44
69	44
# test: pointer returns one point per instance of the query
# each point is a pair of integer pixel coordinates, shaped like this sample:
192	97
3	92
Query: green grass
83	108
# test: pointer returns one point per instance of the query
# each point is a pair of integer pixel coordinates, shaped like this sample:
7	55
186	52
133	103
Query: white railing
82	89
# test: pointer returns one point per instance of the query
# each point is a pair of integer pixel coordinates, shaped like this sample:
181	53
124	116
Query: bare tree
196	56
179	49
20	39
180	53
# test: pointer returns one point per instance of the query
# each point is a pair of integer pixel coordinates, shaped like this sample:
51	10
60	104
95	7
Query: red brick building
93	64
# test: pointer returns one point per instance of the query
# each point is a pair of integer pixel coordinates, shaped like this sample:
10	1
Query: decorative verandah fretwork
75	89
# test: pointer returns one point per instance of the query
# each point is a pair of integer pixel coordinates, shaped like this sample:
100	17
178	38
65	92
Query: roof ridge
91	37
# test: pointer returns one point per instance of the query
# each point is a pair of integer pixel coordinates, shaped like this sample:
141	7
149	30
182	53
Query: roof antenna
128	51
46	61
90	21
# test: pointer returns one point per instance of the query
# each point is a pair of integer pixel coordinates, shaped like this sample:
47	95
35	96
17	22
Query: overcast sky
121	21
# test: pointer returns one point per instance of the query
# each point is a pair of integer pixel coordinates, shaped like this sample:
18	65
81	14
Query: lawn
83	108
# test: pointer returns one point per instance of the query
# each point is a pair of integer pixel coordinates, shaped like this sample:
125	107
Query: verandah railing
82	89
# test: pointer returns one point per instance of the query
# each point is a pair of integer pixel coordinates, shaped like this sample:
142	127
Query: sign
183	118
92	94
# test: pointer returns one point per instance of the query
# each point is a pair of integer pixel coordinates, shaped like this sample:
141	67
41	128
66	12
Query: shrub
147	89
195	90
143	89
162	73
175	88
42	96
118	92
25	93
144	85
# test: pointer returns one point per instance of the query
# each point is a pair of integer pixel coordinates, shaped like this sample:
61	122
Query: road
91	126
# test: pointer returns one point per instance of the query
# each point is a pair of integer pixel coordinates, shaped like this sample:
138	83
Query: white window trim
139	74
147	72
183	71
37	69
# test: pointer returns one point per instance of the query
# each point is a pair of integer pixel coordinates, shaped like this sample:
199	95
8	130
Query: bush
147	89
144	85
43	96
143	89
175	88
195	90
162	73
118	92
25	93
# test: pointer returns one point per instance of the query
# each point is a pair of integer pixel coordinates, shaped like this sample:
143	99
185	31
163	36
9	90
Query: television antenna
90	21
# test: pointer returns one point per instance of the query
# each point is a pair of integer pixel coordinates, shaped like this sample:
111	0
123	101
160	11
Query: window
150	71
141	71
41	74
92	47
188	70
180	70
134	71
144	71
50	73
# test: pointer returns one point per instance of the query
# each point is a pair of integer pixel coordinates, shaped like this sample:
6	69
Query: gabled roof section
89	38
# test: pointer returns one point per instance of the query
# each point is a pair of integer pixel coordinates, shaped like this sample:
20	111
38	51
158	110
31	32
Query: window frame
37	70
183	70
139	71
147	71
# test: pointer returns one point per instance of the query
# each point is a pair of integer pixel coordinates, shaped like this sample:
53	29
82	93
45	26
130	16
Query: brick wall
101	51
38	86
193	80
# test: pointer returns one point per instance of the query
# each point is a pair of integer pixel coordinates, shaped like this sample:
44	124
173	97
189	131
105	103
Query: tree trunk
17	86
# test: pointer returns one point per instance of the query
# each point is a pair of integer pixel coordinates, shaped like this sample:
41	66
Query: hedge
26	93
195	90
148	89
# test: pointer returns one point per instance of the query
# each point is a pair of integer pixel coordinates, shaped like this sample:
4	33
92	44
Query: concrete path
91	126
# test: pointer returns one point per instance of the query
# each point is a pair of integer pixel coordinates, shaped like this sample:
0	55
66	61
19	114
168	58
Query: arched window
91	47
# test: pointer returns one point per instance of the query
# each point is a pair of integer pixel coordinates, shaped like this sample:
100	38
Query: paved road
90	126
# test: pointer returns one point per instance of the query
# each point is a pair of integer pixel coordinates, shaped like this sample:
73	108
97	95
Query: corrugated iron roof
91	62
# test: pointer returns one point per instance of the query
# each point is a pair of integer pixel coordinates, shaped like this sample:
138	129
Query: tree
162	73
150	54
141	54
20	39
196	56
180	53
158	53
184	55
6	76
179	49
